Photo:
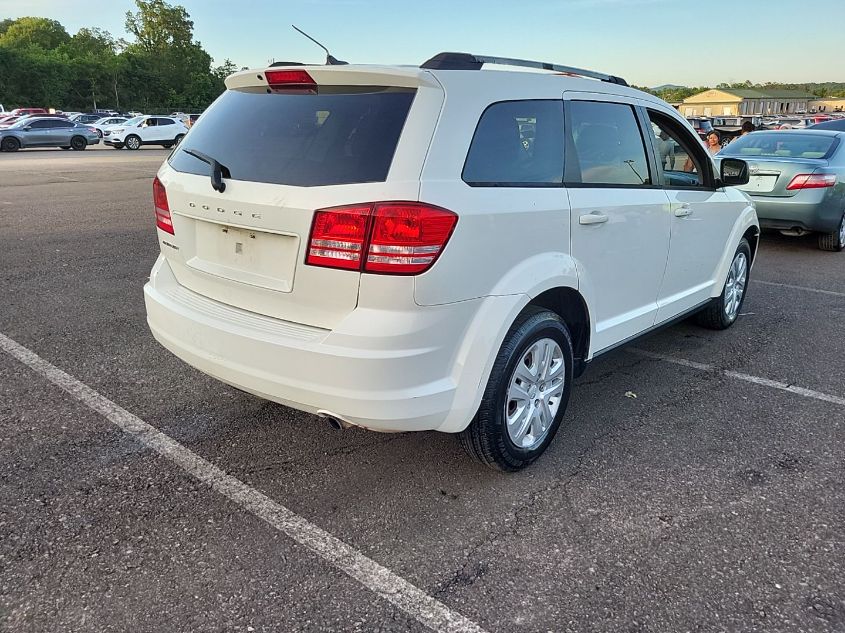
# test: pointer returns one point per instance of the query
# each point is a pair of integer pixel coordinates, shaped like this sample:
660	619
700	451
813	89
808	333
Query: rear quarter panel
508	240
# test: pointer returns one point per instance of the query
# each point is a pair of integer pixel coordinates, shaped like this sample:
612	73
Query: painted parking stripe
378	579
831	293
757	380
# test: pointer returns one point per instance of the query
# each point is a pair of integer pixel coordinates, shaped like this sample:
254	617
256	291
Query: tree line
161	68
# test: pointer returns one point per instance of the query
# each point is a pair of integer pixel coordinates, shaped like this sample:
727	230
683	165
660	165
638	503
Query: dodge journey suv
438	248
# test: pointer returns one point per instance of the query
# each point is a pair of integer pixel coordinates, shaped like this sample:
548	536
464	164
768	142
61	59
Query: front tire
526	395
132	142
78	143
10	144
178	138
723	311
835	240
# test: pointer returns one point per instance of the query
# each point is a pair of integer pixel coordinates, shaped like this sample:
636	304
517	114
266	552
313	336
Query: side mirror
734	172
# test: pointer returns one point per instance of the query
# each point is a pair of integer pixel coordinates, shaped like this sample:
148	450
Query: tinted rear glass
300	139
782	144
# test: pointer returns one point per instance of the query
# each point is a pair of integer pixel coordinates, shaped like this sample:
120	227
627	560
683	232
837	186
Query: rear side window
333	137
608	145
517	144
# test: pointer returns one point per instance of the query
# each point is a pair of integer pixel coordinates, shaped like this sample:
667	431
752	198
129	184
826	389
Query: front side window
517	144
680	163
38	125
608	145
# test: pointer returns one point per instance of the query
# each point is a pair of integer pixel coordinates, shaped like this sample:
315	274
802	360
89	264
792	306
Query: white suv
145	130
442	247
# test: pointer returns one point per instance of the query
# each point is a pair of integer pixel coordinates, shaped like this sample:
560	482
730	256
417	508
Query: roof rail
467	61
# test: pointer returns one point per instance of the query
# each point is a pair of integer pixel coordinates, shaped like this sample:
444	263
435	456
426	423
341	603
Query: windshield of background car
336	136
781	145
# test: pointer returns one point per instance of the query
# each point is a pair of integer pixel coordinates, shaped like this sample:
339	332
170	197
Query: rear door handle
683	211
592	218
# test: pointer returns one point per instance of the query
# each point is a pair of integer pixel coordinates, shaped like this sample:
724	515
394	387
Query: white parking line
792	287
757	380
380	580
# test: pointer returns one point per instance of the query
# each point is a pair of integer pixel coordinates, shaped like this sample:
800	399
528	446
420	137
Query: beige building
831	104
746	102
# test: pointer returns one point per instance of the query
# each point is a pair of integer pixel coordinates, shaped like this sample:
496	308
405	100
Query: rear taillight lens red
811	181
164	221
398	238
407	237
338	237
290	80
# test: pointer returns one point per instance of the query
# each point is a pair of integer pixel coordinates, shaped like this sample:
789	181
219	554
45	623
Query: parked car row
19	131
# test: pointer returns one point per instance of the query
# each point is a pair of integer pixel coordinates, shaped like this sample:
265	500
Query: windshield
338	137
133	121
781	144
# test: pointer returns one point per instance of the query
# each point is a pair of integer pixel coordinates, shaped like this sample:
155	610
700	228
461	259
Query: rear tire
723	311
835	240
78	143
132	142
10	144
538	347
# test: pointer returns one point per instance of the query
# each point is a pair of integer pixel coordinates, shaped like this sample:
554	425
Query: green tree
158	25
42	32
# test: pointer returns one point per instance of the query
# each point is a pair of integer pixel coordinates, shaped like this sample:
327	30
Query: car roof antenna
330	60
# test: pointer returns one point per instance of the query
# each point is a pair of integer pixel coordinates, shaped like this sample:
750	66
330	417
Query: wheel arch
570	306
752	234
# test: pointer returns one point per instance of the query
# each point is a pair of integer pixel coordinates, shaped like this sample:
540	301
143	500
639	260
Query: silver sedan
47	132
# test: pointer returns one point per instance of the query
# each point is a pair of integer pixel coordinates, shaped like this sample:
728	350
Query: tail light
399	238
811	181
290	80
338	237
164	221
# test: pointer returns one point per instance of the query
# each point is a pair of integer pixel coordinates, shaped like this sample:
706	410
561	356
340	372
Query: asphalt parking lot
685	492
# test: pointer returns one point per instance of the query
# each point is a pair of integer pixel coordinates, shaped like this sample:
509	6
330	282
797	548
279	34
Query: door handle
593	218
683	211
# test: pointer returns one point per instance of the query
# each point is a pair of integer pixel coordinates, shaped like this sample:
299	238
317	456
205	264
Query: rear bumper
386	371
813	210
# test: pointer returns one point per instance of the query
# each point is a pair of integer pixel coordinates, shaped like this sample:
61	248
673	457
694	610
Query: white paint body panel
414	353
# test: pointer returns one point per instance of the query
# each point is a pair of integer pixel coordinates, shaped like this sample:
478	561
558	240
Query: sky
648	42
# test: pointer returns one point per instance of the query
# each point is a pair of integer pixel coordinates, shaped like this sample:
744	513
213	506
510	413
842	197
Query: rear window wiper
218	169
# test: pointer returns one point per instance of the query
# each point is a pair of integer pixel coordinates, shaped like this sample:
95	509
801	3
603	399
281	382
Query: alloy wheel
842	232
735	285
534	393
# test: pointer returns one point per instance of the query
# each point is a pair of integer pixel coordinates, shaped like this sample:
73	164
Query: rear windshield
784	144
345	136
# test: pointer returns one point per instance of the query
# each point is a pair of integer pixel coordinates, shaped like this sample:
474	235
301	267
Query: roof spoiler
468	61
